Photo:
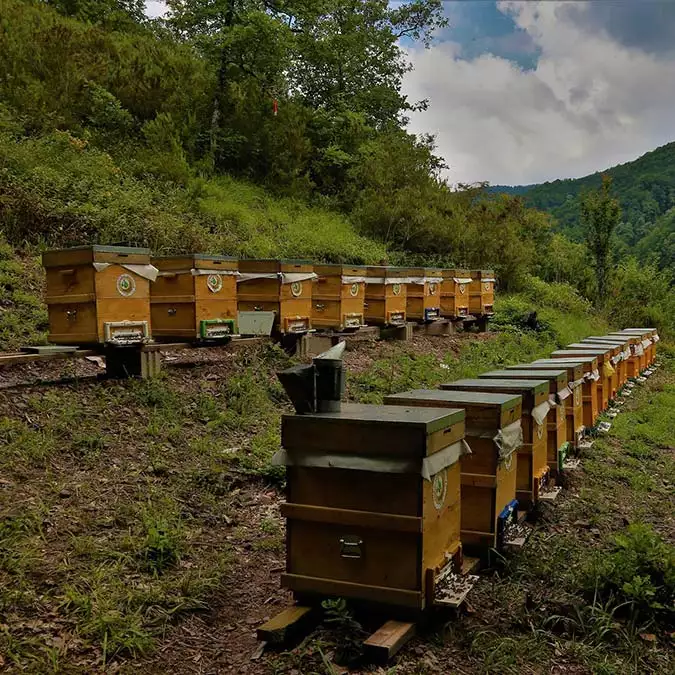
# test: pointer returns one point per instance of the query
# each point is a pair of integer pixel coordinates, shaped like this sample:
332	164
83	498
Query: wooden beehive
649	339
386	296
482	293
621	362
574	418
589	387
609	366
488	491
455	293
423	291
556	424
98	294
364	520
338	296
532	470
194	297
604	382
633	361
280	286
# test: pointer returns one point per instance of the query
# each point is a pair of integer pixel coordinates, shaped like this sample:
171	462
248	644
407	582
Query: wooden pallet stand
291	623
403	333
388	640
123	362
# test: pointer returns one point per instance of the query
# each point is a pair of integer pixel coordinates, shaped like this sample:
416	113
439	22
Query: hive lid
194	256
549	365
594	345
633	338
94	253
606	339
427	419
580	352
526	373
483	399
585	360
338	269
533	386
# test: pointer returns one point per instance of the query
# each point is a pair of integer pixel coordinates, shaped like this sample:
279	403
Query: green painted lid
444	396
526	373
528	385
429	419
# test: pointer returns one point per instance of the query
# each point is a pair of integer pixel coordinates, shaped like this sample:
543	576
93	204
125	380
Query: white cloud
589	104
155	8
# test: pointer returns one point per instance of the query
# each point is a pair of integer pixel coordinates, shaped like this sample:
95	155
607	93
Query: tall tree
600	215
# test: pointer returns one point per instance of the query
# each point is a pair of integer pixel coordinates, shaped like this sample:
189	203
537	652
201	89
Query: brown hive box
423	293
338	296
621	360
482	292
589	387
280	286
633	356
373	502
532	470
98	294
604	383
556	423
194	297
574	418
609	367
455	293
386	296
649	338
488	491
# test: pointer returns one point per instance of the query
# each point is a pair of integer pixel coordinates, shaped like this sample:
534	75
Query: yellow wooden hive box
556	423
386	296
338	297
576	380
455	293
650	336
482	293
423	293
634	348
98	294
604	381
621	360
589	386
532	470
194	297
280	286
494	434
373	502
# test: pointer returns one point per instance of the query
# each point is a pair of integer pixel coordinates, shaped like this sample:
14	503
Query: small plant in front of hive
348	632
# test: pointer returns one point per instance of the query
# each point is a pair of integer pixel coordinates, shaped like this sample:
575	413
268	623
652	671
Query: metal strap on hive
149	272
646	343
494	281
388	281
427	468
353	280
593	376
461	280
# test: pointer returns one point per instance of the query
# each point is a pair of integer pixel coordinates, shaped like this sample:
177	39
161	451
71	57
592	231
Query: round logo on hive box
126	285
439	488
214	282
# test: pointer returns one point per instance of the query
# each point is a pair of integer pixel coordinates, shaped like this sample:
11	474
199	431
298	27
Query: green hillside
645	189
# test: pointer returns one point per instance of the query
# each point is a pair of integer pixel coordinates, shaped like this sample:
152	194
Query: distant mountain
646	189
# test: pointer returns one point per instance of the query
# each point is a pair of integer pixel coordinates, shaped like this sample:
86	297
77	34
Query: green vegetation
646	192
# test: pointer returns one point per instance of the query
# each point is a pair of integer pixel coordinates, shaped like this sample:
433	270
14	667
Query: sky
527	91
524	92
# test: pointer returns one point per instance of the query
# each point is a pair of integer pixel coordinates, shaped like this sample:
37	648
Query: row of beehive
382	499
99	294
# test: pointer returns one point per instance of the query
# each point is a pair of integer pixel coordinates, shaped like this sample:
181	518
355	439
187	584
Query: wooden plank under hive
482	293
532	470
338	296
624	356
98	294
489	473
604	383
373	502
557	447
634	348
576	381
455	293
609	369
280	286
423	302
386	296
194	297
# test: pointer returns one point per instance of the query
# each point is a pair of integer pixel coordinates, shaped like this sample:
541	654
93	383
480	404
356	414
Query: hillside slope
645	188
